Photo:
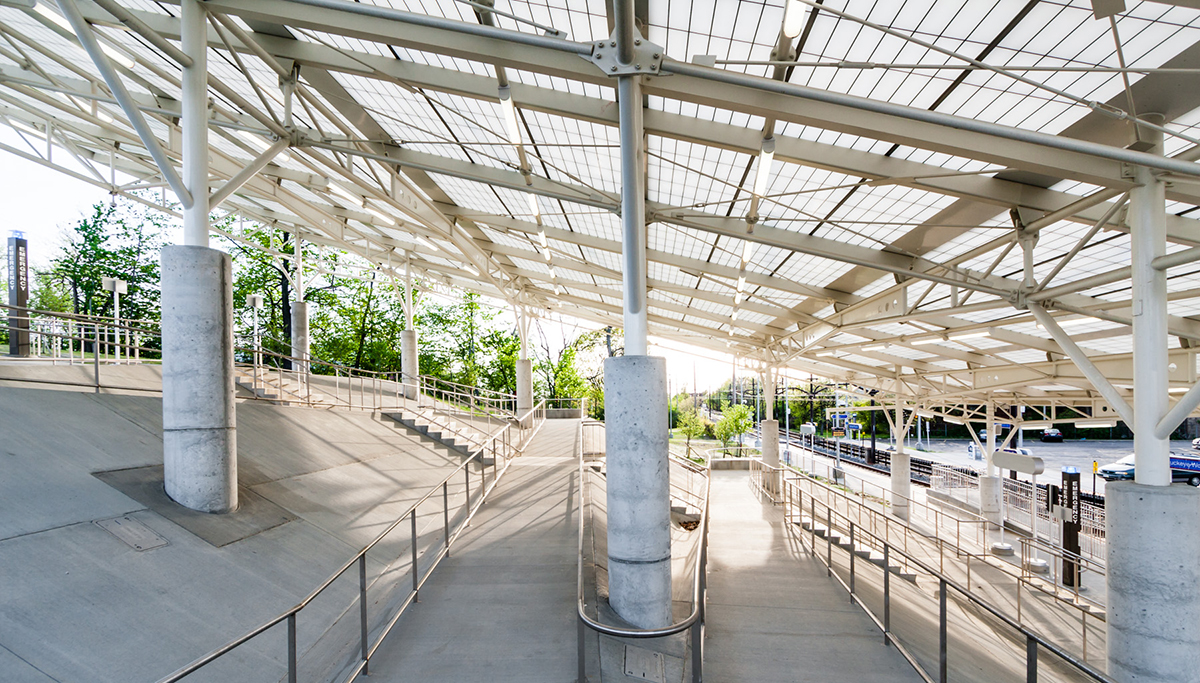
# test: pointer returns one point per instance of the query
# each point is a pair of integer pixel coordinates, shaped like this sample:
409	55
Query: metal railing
503	449
693	621
795	504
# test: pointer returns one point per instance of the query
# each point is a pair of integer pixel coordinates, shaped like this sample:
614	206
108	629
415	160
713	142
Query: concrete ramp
100	587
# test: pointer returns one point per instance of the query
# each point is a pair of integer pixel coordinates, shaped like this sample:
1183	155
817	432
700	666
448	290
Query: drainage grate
644	664
135	534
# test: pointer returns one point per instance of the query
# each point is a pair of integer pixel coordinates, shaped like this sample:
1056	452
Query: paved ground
78	604
773	615
502	607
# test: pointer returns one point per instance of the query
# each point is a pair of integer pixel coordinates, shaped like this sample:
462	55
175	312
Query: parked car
1184	468
1053	434
1196	444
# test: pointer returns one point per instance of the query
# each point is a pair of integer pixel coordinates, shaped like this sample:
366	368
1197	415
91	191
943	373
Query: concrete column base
300	347
524	388
770	453
199	437
901	481
1153	571
410	368
639	503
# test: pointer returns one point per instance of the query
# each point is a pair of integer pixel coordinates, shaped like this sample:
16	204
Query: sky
41	203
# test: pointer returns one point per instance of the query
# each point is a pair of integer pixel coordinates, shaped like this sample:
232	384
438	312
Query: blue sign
841	416
1185	464
854	425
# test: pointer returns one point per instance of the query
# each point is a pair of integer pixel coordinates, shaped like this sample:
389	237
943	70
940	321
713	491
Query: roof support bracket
647	57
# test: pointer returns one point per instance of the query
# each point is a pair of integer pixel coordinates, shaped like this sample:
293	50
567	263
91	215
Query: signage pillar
18	296
1071	524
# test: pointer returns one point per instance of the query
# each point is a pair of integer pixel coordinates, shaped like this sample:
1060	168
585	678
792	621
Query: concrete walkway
773	615
502	606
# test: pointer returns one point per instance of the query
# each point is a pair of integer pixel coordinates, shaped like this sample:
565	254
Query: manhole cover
135	534
644	664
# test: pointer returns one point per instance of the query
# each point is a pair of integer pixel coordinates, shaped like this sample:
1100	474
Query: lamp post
117	287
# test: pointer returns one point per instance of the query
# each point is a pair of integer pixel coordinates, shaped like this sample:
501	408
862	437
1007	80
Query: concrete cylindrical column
901	467
901	483
1152	574
300	334
524	386
770	452
639	504
199	437
410	368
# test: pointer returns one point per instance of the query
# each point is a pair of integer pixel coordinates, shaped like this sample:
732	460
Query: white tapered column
199	436
901	468
1151	531
639	505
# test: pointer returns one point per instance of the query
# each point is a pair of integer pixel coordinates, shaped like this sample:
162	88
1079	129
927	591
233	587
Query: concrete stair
439	428
271	386
863	552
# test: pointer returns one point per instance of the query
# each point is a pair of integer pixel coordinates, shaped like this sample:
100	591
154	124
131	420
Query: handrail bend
694	620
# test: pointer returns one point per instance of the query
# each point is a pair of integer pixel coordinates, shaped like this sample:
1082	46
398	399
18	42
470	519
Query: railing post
1031	654
96	355
887	594
828	541
851	563
415	574
580	638
362	610
467	477
446	512
942	673
291	626
697	651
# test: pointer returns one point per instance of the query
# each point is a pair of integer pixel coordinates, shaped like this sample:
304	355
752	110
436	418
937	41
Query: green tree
735	421
691	423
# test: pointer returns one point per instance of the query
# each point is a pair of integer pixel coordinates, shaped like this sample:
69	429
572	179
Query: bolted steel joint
647	57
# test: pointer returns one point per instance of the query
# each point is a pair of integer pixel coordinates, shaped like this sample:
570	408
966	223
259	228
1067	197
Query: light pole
117	287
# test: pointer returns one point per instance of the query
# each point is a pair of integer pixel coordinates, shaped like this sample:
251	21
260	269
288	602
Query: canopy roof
879	244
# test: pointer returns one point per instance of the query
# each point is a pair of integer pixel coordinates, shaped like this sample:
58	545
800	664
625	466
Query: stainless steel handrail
359	558
694	620
1032	639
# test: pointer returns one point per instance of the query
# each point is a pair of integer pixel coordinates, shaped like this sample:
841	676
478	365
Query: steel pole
1148	241
633	214
194	122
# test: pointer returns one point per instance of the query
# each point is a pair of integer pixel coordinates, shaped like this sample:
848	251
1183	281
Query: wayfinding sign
18	295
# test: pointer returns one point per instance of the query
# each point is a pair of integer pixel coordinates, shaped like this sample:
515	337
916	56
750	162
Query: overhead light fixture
968	335
922	342
953	420
471	269
534	209
1068	322
553	275
118	56
795	13
426	242
346	194
927	414
557	291
1095	425
765	157
56	18
542	239
737	298
380	215
510	115
1035	425
826	353
875	347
